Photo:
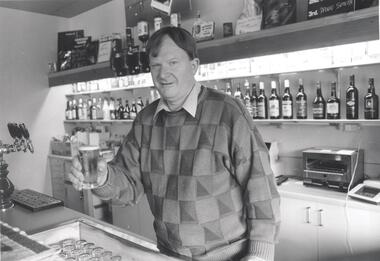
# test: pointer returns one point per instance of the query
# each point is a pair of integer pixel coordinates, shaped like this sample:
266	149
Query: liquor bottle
86	109
319	104
262	103
127	111
112	109
287	102
117	57
74	110
93	110
237	94
371	102
203	30
133	112
80	110
352	103
333	104
106	110
68	111
139	104
228	88
254	101
274	102
301	102
99	109
143	35
119	111
247	97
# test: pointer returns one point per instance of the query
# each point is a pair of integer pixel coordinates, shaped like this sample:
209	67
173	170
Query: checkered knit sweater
207	179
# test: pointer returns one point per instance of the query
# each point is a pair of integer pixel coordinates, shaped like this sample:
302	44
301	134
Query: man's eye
173	62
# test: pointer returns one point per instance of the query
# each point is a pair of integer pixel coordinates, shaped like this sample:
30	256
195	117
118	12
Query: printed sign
322	8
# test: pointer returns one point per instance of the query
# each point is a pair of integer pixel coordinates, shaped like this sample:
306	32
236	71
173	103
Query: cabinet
318	228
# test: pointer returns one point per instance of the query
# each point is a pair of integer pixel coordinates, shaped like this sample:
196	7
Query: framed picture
162	5
104	51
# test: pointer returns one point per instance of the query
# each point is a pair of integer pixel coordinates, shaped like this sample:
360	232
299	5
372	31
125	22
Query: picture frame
104	51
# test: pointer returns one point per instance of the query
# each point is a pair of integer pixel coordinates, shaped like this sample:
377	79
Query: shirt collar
190	104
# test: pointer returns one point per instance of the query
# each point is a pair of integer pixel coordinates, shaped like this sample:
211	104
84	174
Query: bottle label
318	111
287	108
274	108
142	28
254	109
261	109
248	105
332	108
369	104
301	108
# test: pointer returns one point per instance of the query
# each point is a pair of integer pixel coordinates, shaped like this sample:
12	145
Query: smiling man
199	159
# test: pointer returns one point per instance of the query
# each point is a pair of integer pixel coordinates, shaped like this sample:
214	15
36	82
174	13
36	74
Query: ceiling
63	8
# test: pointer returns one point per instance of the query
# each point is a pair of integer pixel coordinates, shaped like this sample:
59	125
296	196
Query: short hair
181	37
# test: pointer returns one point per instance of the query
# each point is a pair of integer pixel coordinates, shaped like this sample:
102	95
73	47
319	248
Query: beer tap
22	142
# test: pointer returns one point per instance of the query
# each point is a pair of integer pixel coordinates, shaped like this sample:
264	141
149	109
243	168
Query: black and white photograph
205	130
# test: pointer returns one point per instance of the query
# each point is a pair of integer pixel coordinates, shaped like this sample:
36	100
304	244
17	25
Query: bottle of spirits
254	101
262	103
117	57
143	35
248	97
106	110
228	88
238	94
119	112
333	104
74	110
127	111
112	109
274	102
371	102
319	104
68	111
287	102
133	112
352	104
81	111
86	109
139	104
99	109
301	102
93	110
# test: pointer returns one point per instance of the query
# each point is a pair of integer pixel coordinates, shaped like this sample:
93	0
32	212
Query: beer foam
88	148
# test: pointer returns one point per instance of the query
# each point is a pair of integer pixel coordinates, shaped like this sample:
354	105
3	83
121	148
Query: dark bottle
301	102
139	104
371	102
68	111
287	102
127	111
93	110
238	94
319	104
352	104
274	102
254	101
143	35
74	110
133	110
333	104
247	97
117	57
119	112
262	103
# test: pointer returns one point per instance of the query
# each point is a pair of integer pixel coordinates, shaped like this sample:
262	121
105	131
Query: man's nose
164	71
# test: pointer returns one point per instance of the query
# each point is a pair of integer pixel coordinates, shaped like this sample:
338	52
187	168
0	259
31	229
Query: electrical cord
348	243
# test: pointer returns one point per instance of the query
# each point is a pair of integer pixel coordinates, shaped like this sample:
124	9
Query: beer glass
88	157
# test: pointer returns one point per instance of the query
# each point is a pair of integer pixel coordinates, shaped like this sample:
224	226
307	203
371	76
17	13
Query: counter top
295	189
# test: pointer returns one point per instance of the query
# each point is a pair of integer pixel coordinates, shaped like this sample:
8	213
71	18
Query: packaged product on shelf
251	17
278	12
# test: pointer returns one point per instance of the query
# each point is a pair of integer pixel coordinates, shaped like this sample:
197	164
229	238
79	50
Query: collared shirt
190	104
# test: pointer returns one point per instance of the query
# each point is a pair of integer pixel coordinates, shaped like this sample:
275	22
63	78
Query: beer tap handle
17	131
11	129
26	135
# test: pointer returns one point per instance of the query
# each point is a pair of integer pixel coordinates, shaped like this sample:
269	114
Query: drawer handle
320	212
307	215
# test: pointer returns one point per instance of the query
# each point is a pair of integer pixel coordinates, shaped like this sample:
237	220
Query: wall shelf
358	26
128	88
335	123
97	121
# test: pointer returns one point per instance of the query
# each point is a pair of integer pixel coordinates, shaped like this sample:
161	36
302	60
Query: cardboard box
61	148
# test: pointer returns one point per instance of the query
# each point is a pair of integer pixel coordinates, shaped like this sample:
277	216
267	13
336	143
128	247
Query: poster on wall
278	12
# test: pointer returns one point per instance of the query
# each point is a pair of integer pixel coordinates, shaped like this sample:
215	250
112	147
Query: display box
61	148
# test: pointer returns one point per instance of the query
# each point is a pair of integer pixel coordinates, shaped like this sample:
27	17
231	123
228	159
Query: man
199	159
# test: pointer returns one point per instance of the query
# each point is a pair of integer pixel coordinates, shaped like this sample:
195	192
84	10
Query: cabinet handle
307	216
320	212
81	195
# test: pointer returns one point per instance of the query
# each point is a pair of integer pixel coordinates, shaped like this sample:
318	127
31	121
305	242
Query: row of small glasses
81	250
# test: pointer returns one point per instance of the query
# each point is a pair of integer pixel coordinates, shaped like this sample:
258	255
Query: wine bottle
133	112
247	97
81	112
287	102
319	104
237	94
301	102
93	110
74	110
352	104
228	88
274	102
119	112
333	104
254	101
68	111
112	109
371	102
262	103
127	111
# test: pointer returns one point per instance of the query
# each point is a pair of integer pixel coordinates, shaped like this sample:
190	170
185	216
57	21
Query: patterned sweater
207	179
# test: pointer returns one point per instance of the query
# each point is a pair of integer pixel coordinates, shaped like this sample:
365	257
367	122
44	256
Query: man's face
173	71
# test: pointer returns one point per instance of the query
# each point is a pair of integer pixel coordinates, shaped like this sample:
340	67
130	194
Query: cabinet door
57	177
364	233
298	236
332	227
73	198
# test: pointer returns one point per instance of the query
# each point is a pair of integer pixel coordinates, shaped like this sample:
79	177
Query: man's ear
195	64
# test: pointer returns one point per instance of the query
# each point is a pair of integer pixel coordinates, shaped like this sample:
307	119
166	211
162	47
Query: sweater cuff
107	190
264	250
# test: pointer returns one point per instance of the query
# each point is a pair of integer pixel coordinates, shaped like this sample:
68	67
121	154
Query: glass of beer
88	157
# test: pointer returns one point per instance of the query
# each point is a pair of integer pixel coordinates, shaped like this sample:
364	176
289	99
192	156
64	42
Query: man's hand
76	175
252	258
